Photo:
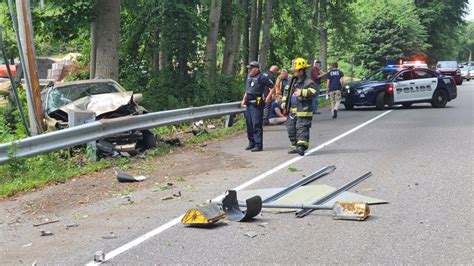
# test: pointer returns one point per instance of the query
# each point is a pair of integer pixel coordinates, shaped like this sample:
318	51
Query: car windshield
60	96
384	74
447	64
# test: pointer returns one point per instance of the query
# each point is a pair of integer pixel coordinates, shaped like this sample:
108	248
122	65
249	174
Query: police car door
425	84
401	86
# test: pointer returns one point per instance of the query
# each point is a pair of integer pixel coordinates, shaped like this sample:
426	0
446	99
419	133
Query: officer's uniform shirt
256	85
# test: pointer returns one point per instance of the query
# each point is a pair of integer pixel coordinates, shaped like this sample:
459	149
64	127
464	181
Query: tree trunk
227	34
212	34
264	51
314	28
259	26
105	33
155	60
246	40
323	35
93	52
235	40
254	31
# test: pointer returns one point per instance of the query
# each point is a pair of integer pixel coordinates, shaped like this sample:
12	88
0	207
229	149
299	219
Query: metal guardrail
108	127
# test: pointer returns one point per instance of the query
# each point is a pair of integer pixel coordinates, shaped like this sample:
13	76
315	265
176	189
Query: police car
400	85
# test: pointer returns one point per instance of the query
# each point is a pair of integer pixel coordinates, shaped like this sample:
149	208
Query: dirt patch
180	165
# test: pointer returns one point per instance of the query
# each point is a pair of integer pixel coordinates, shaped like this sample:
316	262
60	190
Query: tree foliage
163	43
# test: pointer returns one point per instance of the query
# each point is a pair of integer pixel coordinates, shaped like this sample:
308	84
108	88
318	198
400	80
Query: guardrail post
229	121
77	118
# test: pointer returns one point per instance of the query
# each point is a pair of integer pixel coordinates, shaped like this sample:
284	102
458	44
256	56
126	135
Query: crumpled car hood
100	103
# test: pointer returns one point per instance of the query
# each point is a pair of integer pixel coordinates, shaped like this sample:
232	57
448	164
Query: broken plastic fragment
45	233
124	177
99	256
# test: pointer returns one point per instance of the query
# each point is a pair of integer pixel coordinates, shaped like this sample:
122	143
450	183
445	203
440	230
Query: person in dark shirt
317	75
335	83
280	85
276	116
270	74
253	99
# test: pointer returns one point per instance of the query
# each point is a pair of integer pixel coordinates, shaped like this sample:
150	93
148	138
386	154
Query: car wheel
468	80
349	106
388	99
440	99
380	101
459	83
148	141
406	105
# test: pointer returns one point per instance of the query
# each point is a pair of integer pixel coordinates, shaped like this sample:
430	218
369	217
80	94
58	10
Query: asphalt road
422	163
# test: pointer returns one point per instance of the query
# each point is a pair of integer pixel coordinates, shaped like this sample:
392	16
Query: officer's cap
253	64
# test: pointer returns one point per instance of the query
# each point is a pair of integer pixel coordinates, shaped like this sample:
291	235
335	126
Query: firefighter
253	99
298	103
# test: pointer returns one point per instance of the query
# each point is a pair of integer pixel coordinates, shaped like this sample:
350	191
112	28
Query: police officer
253	99
298	103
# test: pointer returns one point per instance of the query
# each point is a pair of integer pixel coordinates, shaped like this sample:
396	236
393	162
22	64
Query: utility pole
24	34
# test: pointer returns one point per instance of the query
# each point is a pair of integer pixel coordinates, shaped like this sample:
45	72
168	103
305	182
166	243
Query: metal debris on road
124	177
302	213
177	195
203	216
342	210
46	222
111	236
167	198
230	205
72	225
45	233
99	256
27	245
250	234
262	224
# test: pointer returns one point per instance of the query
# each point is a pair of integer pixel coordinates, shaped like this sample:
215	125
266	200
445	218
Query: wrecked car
102	98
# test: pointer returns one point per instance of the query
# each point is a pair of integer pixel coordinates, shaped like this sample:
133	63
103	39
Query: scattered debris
416	184
27	245
167	198
203	145
72	225
111	236
172	142
198	123
292	169
99	256
125	154
45	233
250	234
347	210
203	216
46	222
177	195
34	263
107	148
230	205
211	127
262	224
124	177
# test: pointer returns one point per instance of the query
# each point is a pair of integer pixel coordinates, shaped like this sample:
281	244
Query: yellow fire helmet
299	63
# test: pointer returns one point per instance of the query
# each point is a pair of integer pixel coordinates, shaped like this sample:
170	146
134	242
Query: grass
27	174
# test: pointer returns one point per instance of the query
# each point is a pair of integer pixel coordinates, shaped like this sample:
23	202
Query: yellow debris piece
349	210
203	215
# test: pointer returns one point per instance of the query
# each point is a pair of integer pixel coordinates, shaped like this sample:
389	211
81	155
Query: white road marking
252	181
